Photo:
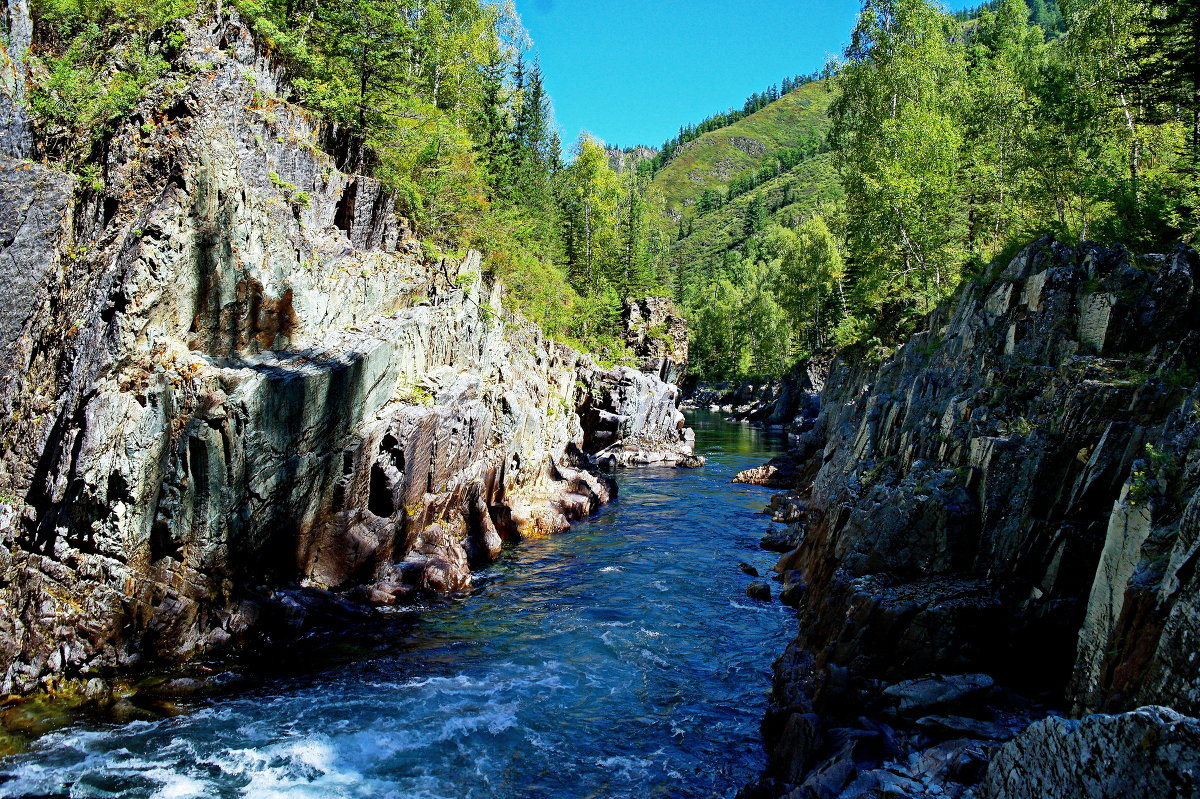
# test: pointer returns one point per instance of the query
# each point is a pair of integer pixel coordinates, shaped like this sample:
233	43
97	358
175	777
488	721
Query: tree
898	133
1003	52
756	216
371	42
590	199
1167	73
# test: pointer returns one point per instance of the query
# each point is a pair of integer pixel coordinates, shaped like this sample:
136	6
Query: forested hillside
728	161
441	100
828	212
952	138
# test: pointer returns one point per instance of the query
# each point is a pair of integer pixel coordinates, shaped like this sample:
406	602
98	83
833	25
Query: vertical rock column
16	137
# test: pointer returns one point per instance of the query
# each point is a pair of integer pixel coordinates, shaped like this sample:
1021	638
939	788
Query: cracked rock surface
235	398
1013	496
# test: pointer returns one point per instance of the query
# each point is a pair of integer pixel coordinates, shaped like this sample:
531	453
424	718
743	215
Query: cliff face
657	334
231	385
1013	494
631	416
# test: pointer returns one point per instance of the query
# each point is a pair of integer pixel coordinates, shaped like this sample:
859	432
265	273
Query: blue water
619	659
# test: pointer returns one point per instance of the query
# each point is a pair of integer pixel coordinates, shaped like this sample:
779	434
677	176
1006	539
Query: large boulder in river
631	418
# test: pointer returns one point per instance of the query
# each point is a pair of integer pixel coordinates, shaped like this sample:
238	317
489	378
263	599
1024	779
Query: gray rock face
936	692
790	402
228	399
1151	752
1015	486
16	135
34	229
632	418
657	334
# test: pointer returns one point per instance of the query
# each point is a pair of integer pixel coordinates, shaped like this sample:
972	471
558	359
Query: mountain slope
799	119
795	194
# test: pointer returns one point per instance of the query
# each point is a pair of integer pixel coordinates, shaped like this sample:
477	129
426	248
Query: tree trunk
587	241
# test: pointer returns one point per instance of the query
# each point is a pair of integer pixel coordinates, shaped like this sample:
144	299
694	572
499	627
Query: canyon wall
235	396
996	524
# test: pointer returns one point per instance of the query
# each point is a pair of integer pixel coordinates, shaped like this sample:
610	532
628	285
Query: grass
810	185
714	159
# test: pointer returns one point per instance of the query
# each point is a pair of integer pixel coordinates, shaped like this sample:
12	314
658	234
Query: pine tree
372	40
1168	73
494	125
756	216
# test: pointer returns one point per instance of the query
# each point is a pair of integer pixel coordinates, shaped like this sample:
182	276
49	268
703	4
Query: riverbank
621	655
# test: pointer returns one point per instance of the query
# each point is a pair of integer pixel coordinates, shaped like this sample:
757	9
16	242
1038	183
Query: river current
620	659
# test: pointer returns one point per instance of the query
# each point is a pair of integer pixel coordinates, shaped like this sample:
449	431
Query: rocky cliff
631	415
234	394
657	334
998	523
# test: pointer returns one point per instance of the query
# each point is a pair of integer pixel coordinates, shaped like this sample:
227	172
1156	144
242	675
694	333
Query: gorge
342	442
619	656
229	403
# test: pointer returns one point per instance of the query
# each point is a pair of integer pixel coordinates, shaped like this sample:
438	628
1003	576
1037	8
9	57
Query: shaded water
619	659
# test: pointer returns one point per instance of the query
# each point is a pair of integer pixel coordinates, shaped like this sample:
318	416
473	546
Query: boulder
937	692
1149	753
759	590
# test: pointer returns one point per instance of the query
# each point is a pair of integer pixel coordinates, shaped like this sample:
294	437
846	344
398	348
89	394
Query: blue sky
632	71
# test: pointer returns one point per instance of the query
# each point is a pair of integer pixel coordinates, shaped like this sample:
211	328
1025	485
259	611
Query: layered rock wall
657	334
16	134
232	386
1012	493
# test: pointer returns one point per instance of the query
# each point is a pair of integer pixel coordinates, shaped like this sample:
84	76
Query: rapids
620	659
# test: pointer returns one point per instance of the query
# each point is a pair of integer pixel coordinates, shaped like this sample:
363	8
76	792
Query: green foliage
1183	377
954	139
453	118
1021	427
95	61
747	153
754	103
413	393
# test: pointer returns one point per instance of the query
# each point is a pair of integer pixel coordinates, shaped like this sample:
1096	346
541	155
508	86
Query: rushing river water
619	659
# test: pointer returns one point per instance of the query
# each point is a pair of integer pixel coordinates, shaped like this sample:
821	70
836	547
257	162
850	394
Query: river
620	659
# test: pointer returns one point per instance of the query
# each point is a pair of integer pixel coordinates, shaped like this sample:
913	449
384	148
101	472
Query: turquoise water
619	659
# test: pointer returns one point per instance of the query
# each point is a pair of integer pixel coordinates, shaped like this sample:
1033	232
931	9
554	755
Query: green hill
798	120
793	195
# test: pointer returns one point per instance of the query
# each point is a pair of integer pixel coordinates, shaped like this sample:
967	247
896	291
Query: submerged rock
759	590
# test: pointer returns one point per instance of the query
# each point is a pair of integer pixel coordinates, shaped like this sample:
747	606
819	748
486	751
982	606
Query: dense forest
950	137
955	139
